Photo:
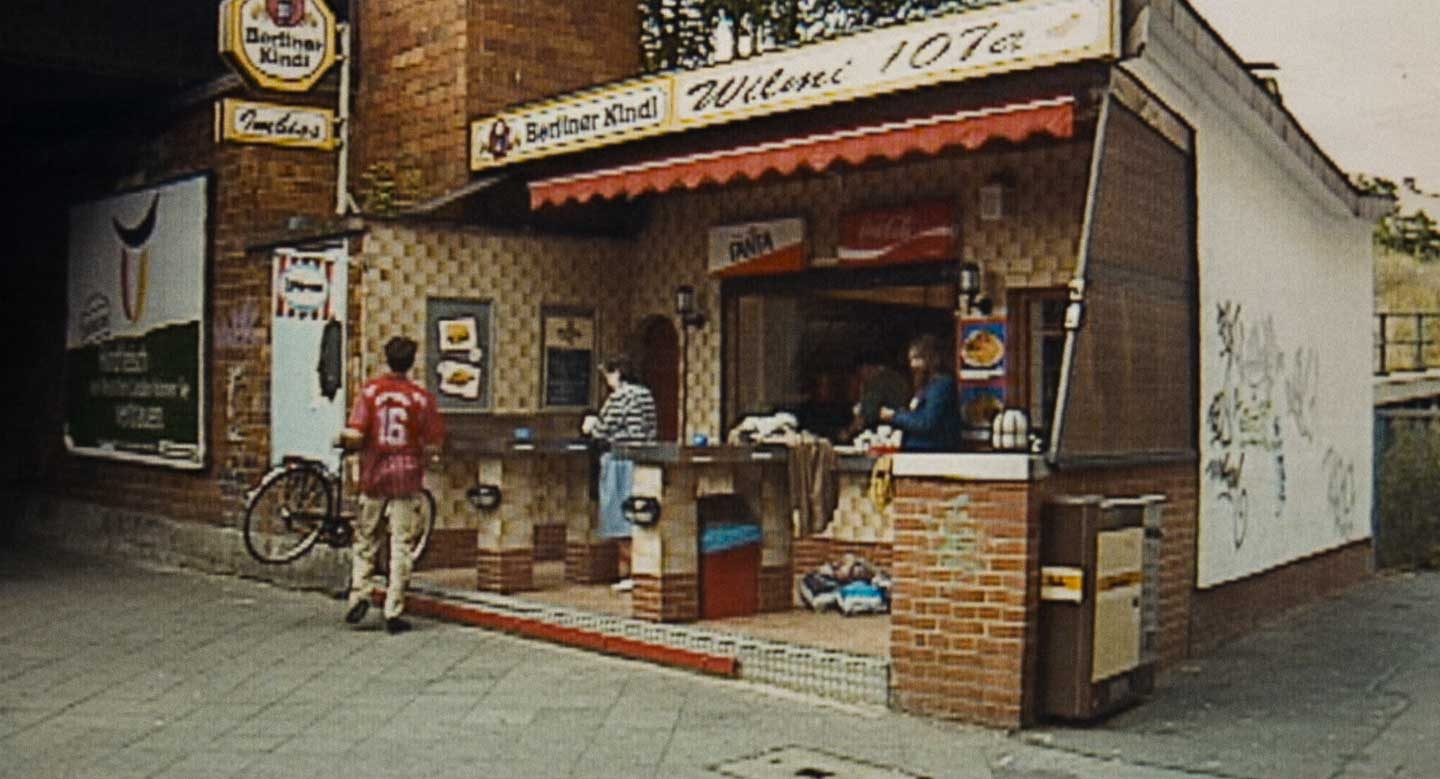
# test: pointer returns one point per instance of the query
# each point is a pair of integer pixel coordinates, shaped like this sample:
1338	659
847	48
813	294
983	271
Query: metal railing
1406	341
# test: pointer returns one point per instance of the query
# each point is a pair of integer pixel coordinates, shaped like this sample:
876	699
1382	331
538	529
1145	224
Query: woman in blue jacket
932	423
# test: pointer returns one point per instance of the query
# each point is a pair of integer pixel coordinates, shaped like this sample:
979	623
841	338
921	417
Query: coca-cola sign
912	233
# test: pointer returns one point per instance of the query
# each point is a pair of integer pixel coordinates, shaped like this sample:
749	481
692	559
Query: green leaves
694	33
1415	233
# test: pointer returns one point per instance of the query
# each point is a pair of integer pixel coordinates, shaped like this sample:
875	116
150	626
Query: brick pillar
665	556
589	559
505	551
965	600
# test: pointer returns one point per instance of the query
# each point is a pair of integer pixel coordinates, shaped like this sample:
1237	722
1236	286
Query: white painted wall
1285	335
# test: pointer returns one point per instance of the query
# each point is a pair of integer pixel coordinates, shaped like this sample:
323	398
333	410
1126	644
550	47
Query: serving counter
541	482
666	560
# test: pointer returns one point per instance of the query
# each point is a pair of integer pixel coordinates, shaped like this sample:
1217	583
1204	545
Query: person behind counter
628	416
932	423
879	386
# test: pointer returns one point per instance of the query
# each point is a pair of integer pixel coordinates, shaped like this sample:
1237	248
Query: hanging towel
616	476
814	492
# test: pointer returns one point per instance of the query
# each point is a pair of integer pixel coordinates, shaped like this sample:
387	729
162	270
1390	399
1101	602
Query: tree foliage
1415	233
695	33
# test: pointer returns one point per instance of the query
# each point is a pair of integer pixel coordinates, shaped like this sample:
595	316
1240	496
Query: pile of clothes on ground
852	585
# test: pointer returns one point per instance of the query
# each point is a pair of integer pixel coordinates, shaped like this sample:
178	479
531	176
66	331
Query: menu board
568	367
457	353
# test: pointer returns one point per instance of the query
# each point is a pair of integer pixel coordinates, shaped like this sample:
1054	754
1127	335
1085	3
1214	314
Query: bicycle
301	502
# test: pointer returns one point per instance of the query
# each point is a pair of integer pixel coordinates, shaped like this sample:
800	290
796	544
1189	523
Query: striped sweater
628	415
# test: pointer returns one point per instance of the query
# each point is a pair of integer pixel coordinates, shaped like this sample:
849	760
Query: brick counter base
672	598
592	563
777	588
964	609
512	570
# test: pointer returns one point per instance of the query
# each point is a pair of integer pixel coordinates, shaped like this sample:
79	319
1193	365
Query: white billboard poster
134	340
307	369
1286	308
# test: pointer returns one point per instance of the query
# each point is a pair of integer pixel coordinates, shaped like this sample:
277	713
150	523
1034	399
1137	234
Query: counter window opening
805	343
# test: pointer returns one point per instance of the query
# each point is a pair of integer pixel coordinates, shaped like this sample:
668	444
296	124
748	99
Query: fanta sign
286	45
758	248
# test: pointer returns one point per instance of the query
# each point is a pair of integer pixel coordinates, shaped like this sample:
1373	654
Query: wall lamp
967	289
993	194
641	511
484	496
686	308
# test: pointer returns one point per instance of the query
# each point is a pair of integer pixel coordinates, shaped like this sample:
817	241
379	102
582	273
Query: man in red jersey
396	427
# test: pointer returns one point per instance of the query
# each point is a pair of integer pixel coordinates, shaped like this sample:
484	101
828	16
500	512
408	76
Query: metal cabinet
1095	654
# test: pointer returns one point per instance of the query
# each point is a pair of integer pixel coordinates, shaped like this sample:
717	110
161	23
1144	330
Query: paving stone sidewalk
113	670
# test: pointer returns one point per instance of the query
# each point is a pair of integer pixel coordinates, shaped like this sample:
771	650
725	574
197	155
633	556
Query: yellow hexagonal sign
285	45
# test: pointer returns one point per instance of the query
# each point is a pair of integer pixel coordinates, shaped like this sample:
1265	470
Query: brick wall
410	97
965	603
523	50
254	190
1223	613
426	68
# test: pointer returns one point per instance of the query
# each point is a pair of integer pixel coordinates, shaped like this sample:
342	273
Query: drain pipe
1075	309
342	129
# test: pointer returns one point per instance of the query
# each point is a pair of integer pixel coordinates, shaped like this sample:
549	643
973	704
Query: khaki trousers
403	516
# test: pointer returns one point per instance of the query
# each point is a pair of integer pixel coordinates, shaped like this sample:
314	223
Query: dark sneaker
357	612
395	625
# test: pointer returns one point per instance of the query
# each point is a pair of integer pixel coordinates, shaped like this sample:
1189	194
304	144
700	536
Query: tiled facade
1034	247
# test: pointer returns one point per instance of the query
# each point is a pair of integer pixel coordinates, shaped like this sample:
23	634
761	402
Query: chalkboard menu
568	368
457	353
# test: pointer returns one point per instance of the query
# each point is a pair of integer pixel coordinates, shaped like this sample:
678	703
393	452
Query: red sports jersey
398	418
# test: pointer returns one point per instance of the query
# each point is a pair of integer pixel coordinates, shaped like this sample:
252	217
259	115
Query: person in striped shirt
628	416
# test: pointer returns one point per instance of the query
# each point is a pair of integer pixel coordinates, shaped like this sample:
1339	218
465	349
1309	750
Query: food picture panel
979	403
457	353
982	348
457	335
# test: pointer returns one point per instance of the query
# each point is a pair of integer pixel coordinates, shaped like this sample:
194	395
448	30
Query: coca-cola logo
886	228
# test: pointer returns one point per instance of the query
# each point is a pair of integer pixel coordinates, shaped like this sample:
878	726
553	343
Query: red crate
730	582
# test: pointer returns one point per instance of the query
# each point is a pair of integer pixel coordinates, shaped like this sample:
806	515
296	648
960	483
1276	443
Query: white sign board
968	44
246	121
285	45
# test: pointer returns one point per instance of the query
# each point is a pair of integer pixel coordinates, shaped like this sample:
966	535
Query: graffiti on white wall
1265	407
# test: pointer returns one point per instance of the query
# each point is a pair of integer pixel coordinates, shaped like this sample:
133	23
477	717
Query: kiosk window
799	342
1038	321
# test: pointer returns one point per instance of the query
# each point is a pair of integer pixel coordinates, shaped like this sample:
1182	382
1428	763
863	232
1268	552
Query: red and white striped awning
893	140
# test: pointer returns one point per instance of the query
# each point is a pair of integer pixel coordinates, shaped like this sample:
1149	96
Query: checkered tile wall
1035	244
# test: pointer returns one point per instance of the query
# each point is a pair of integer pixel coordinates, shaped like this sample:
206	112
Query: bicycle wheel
427	523
285	514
